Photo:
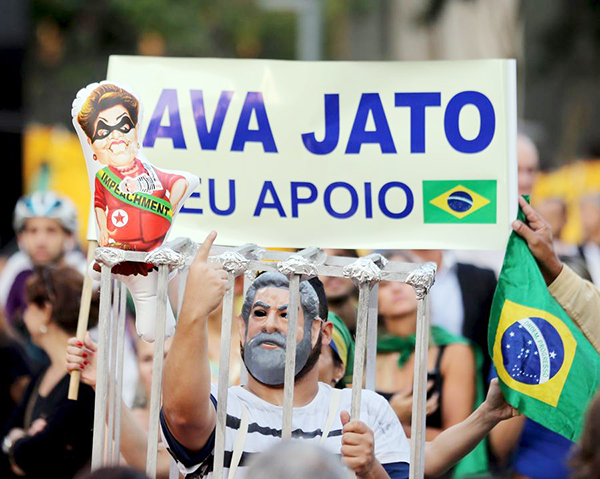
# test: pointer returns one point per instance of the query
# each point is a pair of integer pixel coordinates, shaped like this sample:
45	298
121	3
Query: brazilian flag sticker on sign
468	201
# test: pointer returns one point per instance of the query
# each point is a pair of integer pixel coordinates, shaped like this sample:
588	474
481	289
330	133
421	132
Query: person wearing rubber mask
374	446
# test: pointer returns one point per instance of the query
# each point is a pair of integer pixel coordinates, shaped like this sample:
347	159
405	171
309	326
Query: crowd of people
470	430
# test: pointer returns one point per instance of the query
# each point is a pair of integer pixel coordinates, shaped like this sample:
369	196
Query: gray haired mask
268	365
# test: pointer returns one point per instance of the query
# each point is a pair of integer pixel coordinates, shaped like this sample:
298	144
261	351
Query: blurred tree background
72	39
556	42
52	48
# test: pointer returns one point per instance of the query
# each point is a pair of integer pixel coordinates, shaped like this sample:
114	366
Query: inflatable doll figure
135	203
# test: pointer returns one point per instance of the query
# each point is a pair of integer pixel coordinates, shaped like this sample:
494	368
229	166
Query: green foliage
72	39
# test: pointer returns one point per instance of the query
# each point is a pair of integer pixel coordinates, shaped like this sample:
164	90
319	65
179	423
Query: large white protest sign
335	154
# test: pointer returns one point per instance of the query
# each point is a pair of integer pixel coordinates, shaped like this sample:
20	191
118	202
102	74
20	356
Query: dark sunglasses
103	130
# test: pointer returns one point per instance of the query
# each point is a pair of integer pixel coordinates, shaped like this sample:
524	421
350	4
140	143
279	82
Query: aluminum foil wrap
297	264
166	256
186	247
306	262
109	256
232	261
365	270
422	279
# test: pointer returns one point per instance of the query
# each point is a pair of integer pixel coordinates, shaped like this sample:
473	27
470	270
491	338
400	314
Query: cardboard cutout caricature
134	202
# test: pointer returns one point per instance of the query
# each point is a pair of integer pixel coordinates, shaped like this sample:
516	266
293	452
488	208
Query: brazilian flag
547	368
466	201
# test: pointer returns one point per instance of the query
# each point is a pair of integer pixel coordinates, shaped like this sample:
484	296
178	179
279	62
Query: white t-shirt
308	422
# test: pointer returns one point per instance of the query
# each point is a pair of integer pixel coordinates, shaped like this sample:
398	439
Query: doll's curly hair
103	97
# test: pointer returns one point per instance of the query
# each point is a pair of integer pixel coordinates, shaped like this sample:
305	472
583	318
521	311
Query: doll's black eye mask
103	130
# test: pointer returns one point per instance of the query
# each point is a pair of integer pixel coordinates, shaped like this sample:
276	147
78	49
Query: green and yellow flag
466	201
547	368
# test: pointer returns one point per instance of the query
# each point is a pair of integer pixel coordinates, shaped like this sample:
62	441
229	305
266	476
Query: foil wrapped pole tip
164	255
236	260
422	279
305	262
366	269
184	246
109	256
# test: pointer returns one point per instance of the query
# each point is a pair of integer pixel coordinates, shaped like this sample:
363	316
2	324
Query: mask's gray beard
268	366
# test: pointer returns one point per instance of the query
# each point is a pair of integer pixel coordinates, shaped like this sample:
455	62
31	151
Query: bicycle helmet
45	205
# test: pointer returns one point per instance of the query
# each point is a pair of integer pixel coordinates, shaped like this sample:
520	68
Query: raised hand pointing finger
206	283
204	250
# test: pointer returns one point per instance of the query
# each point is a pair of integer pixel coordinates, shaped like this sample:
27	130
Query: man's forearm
456	442
187	407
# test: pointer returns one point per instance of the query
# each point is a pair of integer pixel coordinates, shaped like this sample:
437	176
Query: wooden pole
243	370
290	357
112	367
102	370
157	370
119	388
183	274
226	322
359	351
372	339
417	450
84	314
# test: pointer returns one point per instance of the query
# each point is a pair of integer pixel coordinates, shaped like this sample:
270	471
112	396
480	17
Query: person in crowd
585	462
336	362
297	460
453	366
48	432
578	297
375	447
188	423
461	298
533	450
589	250
528	161
554	210
81	356
528	450
145	358
45	224
15	374
46	227
341	292
528	169
441	453
362	445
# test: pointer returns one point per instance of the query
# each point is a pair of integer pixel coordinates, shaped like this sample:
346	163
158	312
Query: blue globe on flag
460	201
532	351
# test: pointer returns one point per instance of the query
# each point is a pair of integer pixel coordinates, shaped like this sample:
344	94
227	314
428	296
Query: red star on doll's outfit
140	229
